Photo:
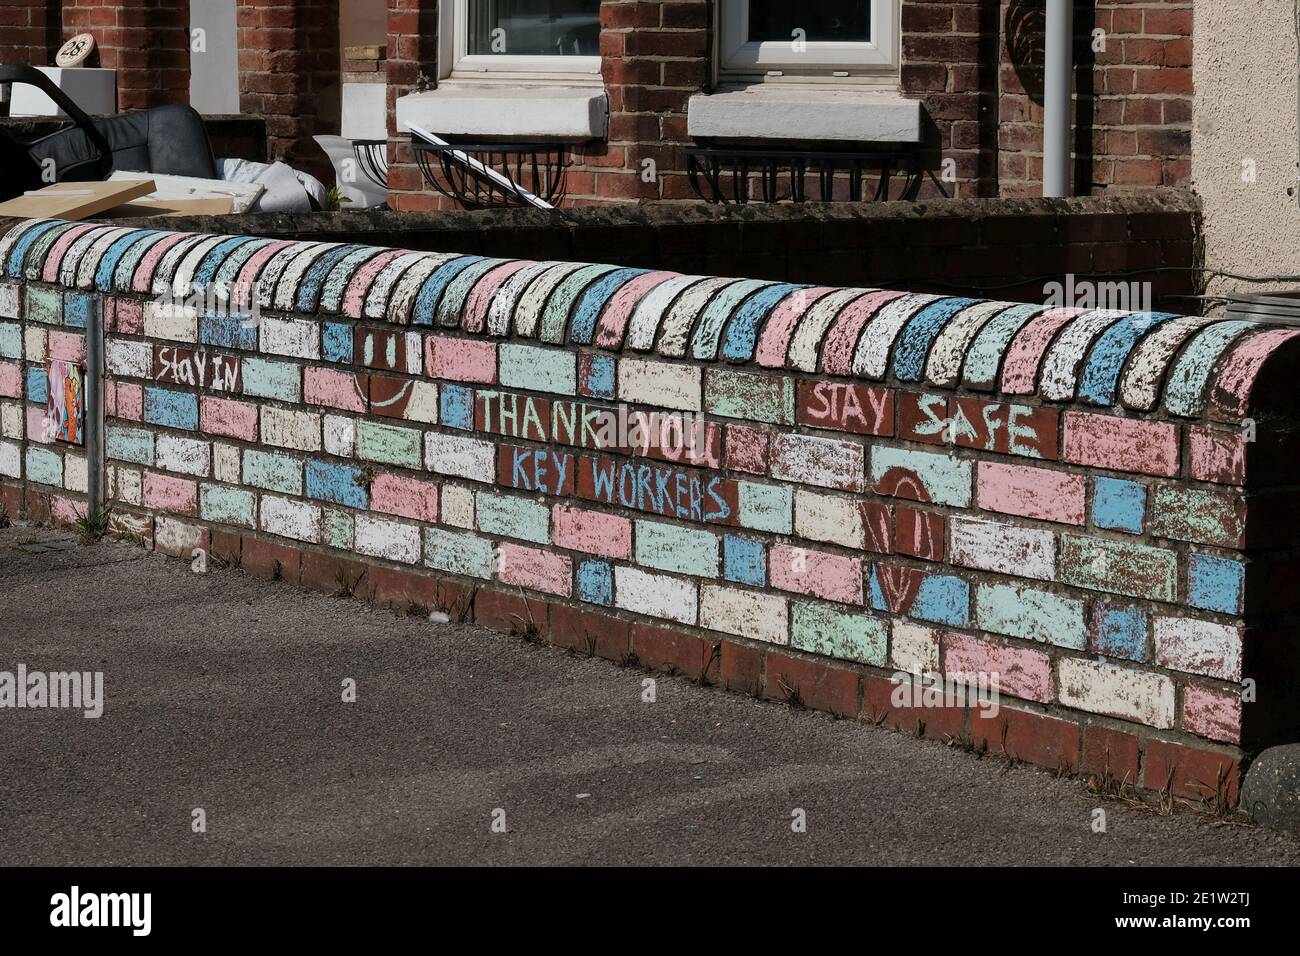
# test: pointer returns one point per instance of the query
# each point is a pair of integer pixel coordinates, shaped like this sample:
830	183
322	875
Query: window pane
534	27
822	20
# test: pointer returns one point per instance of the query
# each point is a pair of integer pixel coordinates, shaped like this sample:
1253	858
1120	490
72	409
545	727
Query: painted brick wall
881	482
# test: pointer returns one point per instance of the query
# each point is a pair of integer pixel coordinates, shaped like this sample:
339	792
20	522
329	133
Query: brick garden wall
883	482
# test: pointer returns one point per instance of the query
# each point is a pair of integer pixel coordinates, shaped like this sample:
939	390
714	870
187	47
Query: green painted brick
945	478
43	305
668	547
766	507
129	444
266	379
339	530
1031	614
510	516
456	553
821	629
538	369
228	505
274	472
1119	567
389	444
11	340
763	398
44	467
1201	515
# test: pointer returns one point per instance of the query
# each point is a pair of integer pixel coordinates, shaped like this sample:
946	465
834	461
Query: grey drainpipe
1057	107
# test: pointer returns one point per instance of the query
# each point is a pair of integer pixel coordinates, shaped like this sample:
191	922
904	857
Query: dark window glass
534	27
822	20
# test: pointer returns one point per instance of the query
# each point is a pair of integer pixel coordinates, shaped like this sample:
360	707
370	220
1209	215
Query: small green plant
334	199
93	525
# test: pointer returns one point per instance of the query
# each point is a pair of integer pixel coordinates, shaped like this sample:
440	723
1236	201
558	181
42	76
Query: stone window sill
762	111
523	112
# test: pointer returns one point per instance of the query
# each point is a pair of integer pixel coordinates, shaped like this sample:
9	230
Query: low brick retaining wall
1095	506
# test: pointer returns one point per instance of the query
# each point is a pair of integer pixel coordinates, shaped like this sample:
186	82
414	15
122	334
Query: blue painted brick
744	560
456	407
1119	505
1214	583
599	370
171	409
37	385
228	331
76	309
596	583
336	342
1119	631
337	483
941	599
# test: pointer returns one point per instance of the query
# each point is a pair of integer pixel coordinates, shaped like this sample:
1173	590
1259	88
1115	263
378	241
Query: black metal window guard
721	174
536	168
372	157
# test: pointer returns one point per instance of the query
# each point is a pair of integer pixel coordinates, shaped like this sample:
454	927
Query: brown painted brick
590	632
742	668
271	560
1039	739
814	684
1191	773
1110	751
662	649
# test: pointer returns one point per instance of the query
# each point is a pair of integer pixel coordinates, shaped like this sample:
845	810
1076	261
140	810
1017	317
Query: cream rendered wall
1245	70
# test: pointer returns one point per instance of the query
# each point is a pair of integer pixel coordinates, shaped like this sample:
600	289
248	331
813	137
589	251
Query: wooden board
74	200
167	188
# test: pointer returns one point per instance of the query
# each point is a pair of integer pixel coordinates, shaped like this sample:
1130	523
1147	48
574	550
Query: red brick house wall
29	31
146	41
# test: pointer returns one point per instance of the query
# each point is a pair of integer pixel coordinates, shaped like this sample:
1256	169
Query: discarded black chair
168	140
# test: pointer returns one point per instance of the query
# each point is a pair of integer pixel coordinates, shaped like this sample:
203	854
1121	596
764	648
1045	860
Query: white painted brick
129	359
387	539
290	519
11	420
226	463
913	648
423	405
457	508
11	460
188	456
34	340
414	353
9	301
825	462
75	474
176	537
828	518
664	384
1123	692
460	457
297	337
340	436
284	428
1198	647
655	594
764	617
124	484
1004	548
174	322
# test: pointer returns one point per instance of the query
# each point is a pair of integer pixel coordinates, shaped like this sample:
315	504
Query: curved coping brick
1186	365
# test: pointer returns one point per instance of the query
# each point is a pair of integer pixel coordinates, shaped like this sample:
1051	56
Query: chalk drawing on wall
65	415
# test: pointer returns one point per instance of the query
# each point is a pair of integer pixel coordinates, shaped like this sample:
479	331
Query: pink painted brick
1121	444
1021	672
221	416
460	360
167	493
1032	492
1218	455
66	511
334	389
747	449
11	380
130	402
534	569
36	424
125	316
406	497
822	575
1212	713
591	532
110	400
67	347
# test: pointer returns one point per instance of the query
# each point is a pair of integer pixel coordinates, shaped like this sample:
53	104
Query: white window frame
877	58
456	62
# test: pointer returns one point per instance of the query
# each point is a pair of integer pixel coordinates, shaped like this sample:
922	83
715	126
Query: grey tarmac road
224	693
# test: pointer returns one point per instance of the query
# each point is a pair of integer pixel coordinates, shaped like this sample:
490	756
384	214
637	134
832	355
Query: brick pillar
289	74
146	41
30	31
412	53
